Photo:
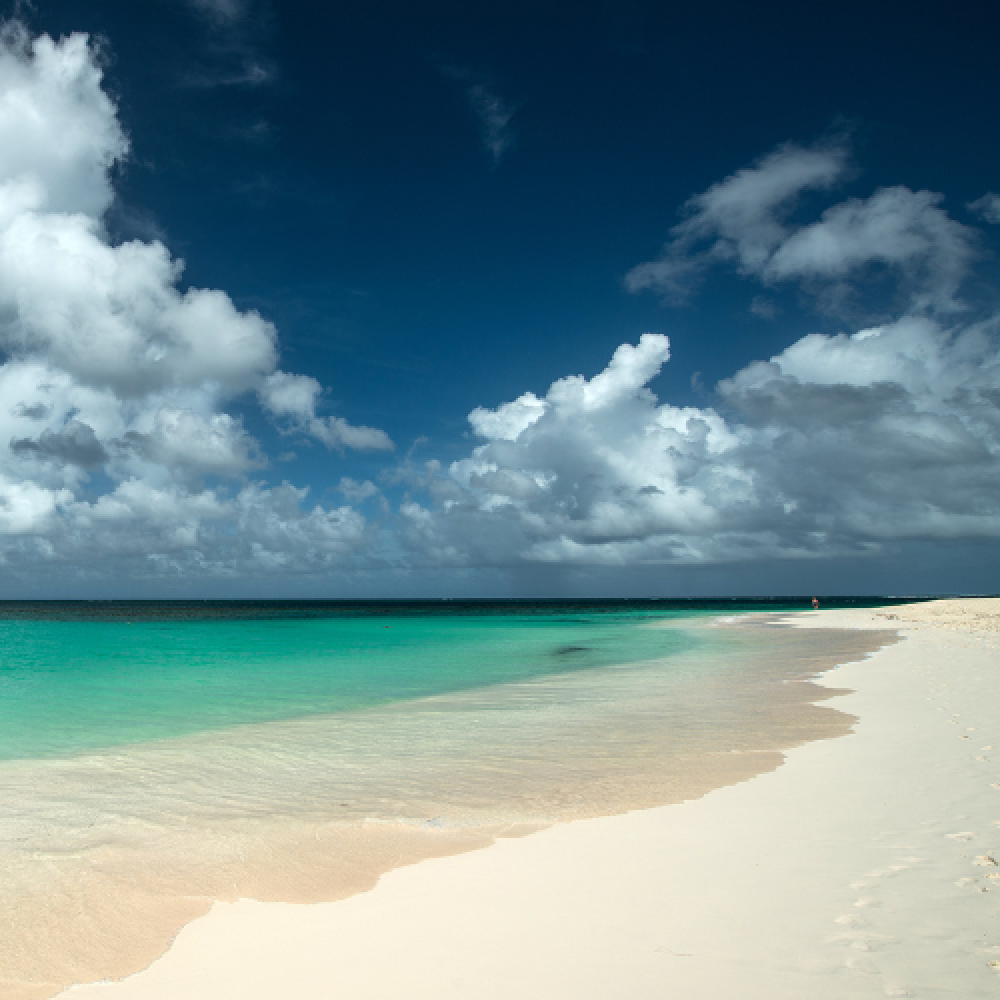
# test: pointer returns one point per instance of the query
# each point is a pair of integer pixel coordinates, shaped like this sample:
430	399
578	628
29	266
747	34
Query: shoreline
860	867
581	744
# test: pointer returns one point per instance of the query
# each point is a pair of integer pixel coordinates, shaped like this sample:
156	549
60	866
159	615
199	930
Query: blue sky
440	208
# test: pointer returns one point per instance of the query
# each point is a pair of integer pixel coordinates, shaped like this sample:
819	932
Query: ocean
157	756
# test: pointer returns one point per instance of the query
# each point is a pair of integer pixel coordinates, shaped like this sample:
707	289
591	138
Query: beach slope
866	866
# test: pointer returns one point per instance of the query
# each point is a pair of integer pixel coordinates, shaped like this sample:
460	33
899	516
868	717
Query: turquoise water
68	686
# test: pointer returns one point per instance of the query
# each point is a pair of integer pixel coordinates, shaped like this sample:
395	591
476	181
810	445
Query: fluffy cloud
893	432
60	132
116	446
745	220
832	447
896	227
596	471
739	219
295	397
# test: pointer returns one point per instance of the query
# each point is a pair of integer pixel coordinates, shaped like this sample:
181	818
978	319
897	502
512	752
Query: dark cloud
75	444
34	411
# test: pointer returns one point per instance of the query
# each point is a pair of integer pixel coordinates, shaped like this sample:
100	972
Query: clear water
73	686
80	676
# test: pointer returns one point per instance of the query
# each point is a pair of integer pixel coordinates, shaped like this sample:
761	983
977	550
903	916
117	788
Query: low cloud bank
831	448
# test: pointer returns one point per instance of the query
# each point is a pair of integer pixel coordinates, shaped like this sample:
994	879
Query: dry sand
866	866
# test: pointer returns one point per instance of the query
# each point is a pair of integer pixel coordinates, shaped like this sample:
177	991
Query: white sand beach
865	866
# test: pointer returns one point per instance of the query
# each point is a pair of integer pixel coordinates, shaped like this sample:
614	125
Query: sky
498	299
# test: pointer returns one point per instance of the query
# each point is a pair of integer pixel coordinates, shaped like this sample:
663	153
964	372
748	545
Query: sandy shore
865	866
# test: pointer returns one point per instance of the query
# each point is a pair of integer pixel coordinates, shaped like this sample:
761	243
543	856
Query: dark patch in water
565	650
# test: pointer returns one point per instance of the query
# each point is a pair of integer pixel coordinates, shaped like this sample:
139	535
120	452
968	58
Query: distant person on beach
815	604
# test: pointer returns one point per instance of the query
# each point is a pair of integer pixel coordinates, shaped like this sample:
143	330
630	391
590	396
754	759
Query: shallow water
150	768
72	686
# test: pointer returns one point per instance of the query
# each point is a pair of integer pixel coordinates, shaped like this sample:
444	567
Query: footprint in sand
871	942
985	861
983	759
970	883
861	964
865	902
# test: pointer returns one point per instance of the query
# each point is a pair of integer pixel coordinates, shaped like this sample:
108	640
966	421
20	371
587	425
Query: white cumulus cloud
118	452
741	218
837	446
745	220
296	396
